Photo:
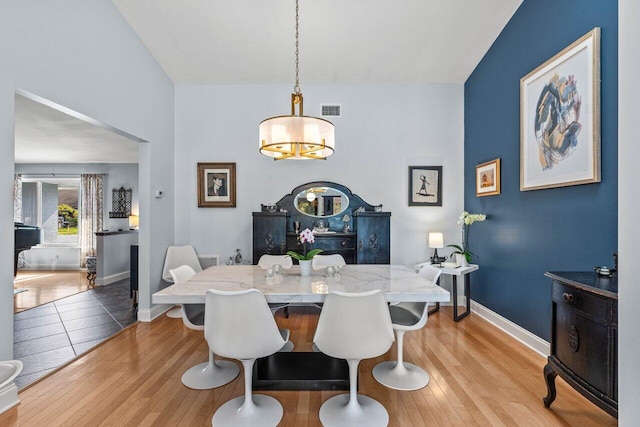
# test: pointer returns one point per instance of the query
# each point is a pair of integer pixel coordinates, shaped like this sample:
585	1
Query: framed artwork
216	185
560	118
425	185
488	178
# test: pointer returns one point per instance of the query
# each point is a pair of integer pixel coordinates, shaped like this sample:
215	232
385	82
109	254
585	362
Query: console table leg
467	294
433	310
550	379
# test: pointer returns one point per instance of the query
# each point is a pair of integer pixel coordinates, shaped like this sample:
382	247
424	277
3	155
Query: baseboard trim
532	341
147	315
107	280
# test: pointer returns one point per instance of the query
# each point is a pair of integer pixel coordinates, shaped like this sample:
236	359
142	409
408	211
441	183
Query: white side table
456	272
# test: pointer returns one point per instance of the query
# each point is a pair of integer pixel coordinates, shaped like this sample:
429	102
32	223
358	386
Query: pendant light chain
297	136
296	88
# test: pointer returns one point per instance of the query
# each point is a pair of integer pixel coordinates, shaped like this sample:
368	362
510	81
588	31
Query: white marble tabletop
399	283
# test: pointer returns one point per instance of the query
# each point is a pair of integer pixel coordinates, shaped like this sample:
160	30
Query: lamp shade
134	220
436	240
296	137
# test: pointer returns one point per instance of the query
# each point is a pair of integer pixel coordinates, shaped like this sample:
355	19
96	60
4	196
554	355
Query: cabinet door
269	236
373	234
582	335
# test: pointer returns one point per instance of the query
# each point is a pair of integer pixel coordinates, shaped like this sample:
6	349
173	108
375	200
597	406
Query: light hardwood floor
479	377
45	286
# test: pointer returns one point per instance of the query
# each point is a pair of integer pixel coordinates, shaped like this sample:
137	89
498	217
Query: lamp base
435	259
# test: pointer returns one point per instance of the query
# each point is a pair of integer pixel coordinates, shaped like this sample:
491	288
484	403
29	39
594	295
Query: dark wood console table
584	337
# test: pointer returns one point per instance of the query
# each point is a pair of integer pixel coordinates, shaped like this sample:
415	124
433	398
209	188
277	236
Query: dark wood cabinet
374	235
584	337
338	243
269	234
367	241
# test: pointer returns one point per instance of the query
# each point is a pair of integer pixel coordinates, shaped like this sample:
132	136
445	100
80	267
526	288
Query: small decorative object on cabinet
366	240
584	337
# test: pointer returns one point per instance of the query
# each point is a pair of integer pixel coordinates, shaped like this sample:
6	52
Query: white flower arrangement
468	218
465	220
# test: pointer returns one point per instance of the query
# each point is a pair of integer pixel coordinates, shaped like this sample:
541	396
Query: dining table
304	370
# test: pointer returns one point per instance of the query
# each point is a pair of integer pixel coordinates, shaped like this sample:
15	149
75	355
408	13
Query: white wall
628	206
114	256
83	55
384	129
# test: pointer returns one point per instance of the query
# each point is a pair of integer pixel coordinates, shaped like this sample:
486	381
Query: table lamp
134	222
436	241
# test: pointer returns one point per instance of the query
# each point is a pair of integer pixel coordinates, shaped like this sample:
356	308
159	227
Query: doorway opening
58	315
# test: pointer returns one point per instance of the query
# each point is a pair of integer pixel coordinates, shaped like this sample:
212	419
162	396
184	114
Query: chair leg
175	313
400	375
210	374
250	409
353	409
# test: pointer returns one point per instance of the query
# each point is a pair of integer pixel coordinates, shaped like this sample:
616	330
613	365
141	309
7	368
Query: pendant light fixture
296	136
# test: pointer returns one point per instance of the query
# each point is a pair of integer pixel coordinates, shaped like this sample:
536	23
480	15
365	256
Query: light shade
436	240
296	137
134	221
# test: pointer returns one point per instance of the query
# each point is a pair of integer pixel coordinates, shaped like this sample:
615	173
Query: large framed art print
560	118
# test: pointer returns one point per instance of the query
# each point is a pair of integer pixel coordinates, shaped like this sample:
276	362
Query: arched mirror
321	202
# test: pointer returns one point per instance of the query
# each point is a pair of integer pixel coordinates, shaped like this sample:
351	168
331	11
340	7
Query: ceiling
356	41
252	42
44	134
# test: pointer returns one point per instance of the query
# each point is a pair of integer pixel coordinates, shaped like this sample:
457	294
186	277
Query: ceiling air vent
331	110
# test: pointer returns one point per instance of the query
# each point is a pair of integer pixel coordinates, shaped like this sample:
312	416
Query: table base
300	371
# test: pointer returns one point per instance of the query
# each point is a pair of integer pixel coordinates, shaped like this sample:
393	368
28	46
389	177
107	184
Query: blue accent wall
561	229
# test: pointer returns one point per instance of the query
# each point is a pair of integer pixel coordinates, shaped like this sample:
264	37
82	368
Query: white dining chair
406	316
175	257
354	326
239	325
323	261
210	374
273	262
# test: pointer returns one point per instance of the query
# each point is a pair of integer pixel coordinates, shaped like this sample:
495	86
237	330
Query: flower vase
305	267
461	260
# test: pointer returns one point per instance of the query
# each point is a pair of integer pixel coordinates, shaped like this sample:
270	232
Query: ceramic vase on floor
305	267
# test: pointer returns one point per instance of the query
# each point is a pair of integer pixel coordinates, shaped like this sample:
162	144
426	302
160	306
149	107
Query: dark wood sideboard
584	337
366	242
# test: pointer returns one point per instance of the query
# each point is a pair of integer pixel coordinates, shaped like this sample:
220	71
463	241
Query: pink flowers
306	236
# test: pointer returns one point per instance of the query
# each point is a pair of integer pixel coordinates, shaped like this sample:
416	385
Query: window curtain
90	213
17	198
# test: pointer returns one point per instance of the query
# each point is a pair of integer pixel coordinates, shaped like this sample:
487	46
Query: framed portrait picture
560	118
425	185
216	185
488	178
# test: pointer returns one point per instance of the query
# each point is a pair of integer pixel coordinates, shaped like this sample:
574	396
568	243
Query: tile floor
50	335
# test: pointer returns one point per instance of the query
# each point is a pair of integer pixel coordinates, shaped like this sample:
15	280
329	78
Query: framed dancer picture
425	185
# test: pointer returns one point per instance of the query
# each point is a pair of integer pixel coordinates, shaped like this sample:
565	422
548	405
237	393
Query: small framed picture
488	178
216	185
425	185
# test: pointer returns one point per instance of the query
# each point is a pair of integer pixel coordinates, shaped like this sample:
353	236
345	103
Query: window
53	204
